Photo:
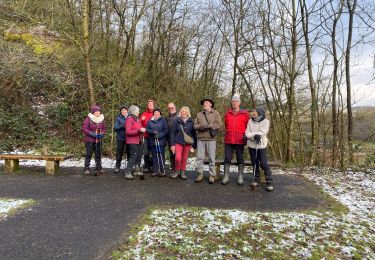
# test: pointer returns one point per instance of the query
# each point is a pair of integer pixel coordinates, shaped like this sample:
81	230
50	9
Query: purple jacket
89	126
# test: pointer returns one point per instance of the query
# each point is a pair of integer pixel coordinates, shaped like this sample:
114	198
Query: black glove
257	139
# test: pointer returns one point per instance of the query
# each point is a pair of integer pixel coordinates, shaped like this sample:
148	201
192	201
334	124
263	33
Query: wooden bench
52	161
219	162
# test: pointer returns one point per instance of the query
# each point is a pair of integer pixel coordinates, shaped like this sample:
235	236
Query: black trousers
135	158
158	158
90	149
121	147
172	158
259	159
147	157
230	148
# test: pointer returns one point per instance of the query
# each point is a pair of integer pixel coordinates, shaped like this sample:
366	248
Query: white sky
363	82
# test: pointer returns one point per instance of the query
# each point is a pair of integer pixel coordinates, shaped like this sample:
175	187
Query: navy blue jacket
176	135
161	127
119	127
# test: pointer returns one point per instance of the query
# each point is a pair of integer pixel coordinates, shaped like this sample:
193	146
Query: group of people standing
150	133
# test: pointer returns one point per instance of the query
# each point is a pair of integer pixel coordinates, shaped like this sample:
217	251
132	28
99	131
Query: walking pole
96	148
142	176
158	151
253	183
126	157
156	140
100	150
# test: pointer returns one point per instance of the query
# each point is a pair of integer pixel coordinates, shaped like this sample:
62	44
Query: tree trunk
335	126
314	105
292	76
351	9
87	48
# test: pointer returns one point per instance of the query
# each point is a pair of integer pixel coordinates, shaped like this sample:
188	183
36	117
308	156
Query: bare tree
351	5
87	48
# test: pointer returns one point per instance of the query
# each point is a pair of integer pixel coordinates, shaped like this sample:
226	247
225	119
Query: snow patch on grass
214	233
9	206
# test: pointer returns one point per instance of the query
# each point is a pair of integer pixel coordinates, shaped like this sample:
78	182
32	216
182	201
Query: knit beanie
94	108
236	97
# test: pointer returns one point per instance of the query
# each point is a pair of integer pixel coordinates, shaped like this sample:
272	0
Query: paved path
85	217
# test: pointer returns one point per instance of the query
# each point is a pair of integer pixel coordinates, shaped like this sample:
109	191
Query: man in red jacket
235	120
145	117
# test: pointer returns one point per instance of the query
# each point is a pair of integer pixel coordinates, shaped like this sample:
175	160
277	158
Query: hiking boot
240	174
162	174
137	171
174	175
129	176
117	170
199	177
211	179
183	175
226	174
87	172
269	186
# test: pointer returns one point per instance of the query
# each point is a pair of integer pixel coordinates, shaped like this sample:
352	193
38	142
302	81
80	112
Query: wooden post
217	176
52	167
11	165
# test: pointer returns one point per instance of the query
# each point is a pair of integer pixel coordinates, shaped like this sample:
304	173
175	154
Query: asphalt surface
86	217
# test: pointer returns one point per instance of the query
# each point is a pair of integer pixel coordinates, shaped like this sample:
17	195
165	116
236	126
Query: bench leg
11	165
217	176
52	167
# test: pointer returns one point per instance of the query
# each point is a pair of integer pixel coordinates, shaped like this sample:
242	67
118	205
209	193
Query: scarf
155	119
96	120
259	118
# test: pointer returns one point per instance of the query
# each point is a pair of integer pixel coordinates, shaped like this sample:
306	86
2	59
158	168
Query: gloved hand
257	139
99	136
93	134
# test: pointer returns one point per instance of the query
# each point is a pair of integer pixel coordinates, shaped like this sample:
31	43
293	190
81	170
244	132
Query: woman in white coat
256	133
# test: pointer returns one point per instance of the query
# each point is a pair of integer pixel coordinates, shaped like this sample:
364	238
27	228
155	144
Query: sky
363	79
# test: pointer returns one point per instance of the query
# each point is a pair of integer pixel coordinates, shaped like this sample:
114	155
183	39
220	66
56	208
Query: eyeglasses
170	108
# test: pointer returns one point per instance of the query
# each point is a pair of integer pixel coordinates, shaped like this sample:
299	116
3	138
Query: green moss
8	36
38	46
